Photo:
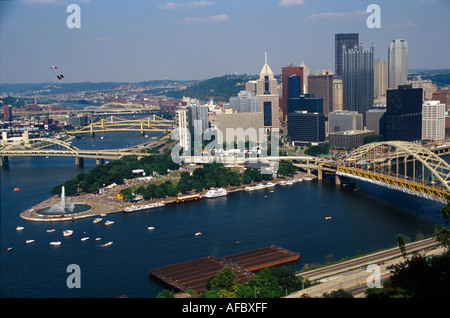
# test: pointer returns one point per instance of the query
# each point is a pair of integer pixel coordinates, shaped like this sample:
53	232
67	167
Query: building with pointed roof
266	90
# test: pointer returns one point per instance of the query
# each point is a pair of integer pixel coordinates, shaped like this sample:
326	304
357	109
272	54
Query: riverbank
107	203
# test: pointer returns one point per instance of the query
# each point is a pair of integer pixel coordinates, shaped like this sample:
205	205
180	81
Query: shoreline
104	204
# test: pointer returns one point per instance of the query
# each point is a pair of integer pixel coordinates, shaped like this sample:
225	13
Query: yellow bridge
153	123
399	165
50	147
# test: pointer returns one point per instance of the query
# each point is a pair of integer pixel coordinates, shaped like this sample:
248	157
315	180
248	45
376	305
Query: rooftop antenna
265	57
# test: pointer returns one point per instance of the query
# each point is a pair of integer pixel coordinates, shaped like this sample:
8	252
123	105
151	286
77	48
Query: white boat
250	188
98	238
67	232
270	184
29	241
55	243
96	220
19	228
109	222
84	239
106	244
214	193
51	231
9	249
307	178
328	218
151	228
198	233
260	186
283	182
133	208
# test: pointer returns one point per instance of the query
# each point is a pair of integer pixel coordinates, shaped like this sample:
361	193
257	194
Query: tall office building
357	79
349	40
433	120
305	77
286	72
380	82
404	114
337	94
398	63
266	89
305	102
305	128
183	131
321	85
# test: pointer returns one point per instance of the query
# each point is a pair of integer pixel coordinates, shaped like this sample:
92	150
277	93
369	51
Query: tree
225	279
340	293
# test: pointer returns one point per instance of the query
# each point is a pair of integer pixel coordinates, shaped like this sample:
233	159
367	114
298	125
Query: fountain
63	208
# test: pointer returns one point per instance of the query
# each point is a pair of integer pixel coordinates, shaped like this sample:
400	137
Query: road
353	276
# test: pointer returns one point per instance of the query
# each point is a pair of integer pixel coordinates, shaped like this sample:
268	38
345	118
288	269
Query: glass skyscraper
343	39
358	79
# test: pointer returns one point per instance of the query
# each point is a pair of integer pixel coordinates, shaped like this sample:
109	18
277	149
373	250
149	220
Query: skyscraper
357	79
266	89
433	120
286	72
321	85
380	74
404	114
398	63
349	40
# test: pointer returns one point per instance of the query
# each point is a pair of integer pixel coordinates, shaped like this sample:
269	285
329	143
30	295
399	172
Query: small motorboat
98	238
51	231
55	243
97	220
109	222
328	218
29	241
151	228
84	239
19	228
198	233
9	249
67	233
106	244
238	242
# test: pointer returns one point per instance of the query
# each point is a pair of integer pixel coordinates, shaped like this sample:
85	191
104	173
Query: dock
193	274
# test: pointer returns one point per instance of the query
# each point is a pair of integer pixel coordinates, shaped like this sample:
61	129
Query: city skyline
201	39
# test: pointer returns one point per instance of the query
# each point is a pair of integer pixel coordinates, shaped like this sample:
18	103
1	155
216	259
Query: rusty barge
193	274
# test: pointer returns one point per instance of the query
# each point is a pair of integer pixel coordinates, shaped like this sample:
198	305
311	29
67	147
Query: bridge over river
399	165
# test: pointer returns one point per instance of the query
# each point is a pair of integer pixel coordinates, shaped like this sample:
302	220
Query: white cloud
328	15
288	3
192	4
202	20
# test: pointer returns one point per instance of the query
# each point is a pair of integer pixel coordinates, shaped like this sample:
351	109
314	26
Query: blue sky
139	40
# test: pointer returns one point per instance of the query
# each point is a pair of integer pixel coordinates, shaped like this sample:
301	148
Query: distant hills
218	88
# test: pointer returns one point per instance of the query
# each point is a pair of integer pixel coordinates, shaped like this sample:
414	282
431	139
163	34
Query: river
292	217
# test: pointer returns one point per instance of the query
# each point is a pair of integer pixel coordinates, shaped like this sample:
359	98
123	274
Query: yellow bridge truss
153	123
388	162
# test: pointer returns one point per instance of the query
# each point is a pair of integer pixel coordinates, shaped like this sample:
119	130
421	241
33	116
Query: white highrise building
183	125
433	120
397	63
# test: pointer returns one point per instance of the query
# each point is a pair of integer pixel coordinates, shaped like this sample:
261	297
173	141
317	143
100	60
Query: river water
292	217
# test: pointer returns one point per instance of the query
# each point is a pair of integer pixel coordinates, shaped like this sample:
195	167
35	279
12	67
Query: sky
141	40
